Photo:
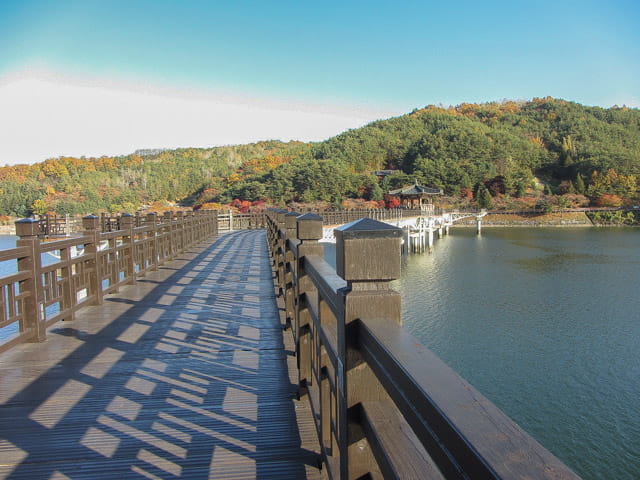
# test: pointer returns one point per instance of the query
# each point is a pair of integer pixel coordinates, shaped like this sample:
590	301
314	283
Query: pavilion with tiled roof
415	196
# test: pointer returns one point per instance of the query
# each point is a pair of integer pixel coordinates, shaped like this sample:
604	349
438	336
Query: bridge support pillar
478	225
406	246
430	239
446	229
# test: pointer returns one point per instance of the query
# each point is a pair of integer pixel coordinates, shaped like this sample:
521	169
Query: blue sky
357	59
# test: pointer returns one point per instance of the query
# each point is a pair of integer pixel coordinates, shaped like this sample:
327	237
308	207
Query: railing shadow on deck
384	405
182	383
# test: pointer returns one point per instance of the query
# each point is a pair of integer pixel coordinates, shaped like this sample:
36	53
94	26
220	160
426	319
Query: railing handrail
354	356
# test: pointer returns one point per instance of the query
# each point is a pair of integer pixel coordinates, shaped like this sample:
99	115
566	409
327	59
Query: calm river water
545	323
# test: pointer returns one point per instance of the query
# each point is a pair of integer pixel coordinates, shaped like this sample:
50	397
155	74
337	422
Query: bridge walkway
182	375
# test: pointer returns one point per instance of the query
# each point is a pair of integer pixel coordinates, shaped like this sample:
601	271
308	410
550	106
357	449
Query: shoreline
570	219
532	225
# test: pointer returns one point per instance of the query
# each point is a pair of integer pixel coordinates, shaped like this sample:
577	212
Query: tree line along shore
545	154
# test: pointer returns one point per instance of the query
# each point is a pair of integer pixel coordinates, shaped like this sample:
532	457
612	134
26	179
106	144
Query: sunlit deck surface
184	375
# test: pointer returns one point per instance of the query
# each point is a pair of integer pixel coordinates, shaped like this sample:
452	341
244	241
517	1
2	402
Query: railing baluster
91	225
129	239
69	299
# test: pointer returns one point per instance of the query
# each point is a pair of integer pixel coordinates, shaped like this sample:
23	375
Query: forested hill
509	149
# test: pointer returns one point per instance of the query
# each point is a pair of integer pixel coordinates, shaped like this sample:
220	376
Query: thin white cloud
46	115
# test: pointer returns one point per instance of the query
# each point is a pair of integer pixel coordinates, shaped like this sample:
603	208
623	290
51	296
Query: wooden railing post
91	227
28	229
214	222
290	234
205	225
368	257
194	227
69	298
290	224
200	225
280	250
168	219
272	238
152	222
188	215
129	238
179	231
309	232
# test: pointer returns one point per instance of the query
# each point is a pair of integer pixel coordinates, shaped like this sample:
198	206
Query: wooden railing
247	221
384	405
57	226
340	217
240	221
82	269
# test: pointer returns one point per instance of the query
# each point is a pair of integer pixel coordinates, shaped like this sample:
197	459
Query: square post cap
280	217
126	220
309	227
290	220
27	227
367	251
90	222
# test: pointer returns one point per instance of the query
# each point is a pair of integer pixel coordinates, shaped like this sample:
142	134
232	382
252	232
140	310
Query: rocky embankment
571	219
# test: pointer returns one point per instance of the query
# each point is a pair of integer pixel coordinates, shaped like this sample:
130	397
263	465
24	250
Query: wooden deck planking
184	375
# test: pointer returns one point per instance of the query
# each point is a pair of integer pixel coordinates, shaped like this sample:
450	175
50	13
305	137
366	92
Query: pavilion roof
416	190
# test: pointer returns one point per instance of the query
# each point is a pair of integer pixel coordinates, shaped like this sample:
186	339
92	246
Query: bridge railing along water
241	221
97	261
384	405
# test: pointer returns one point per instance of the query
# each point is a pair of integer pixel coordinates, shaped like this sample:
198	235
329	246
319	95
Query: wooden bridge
179	352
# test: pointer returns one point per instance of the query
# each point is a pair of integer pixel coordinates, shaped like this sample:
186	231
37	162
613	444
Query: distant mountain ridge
509	148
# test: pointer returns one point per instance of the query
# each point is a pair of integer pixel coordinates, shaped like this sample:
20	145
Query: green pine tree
376	192
580	188
484	198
